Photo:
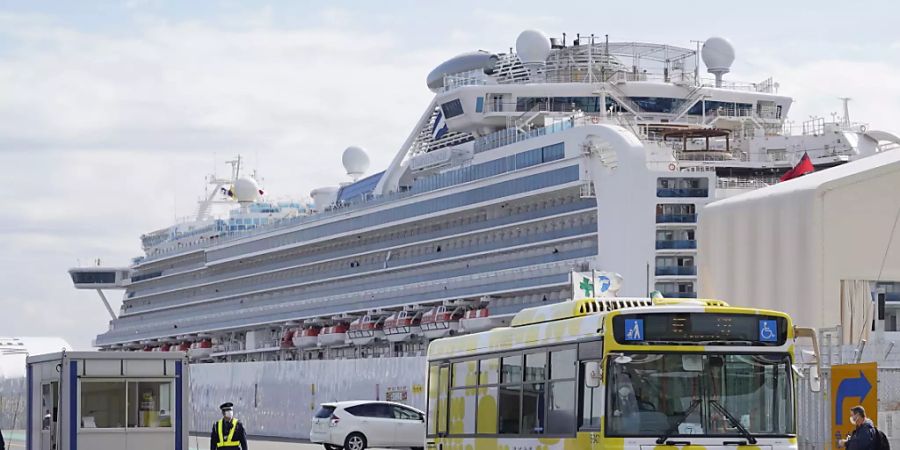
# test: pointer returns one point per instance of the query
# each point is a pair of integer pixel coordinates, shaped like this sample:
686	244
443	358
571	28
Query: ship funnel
718	54
324	197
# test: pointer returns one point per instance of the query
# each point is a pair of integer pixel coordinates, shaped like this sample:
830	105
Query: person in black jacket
227	432
863	436
2	443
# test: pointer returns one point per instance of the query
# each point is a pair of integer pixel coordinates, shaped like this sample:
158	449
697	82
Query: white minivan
357	425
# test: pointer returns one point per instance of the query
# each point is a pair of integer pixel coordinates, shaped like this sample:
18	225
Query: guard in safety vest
227	432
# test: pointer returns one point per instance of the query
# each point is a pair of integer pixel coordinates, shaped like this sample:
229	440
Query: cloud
109	136
106	134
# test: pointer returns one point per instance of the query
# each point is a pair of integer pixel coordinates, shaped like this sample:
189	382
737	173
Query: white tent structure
811	246
13	352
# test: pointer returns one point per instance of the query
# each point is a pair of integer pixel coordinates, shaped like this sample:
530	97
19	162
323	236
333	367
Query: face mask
229	414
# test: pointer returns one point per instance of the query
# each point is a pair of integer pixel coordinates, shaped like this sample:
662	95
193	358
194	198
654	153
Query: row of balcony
682	192
676	270
676	245
676	218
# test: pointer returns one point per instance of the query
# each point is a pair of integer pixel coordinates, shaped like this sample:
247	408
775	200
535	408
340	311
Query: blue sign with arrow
850	388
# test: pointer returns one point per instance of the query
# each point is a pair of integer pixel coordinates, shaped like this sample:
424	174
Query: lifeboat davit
307	337
476	320
401	326
365	330
439	321
333	335
201	349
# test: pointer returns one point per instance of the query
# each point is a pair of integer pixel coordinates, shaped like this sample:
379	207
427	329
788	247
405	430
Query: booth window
131	404
149	404
103	404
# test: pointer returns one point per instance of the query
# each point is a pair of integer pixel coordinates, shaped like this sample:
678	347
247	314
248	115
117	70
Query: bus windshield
679	394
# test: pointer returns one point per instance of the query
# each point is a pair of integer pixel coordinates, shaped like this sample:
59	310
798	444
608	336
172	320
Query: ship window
560	104
94	277
452	108
657	104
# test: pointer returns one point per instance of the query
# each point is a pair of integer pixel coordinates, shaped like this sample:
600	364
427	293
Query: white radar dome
718	54
533	47
356	161
246	190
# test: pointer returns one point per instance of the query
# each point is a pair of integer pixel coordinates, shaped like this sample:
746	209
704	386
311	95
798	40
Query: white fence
278	398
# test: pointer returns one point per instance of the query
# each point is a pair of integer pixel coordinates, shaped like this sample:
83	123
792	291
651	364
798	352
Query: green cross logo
586	286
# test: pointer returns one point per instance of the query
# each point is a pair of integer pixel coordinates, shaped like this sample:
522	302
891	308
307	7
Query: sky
113	113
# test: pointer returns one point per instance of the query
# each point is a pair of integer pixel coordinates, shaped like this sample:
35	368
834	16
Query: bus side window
591	398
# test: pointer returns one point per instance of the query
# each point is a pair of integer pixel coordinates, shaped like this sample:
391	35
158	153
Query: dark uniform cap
226	406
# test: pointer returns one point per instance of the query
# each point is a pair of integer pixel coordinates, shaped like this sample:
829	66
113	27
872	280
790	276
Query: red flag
803	167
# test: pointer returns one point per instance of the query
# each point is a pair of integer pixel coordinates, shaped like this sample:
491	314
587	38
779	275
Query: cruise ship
572	154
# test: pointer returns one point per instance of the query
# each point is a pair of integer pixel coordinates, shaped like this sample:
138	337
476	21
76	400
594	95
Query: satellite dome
718	54
356	161
246	190
533	47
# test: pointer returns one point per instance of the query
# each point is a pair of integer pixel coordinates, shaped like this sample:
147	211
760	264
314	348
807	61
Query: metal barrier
814	408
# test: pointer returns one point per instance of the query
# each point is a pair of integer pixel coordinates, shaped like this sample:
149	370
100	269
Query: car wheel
355	441
332	447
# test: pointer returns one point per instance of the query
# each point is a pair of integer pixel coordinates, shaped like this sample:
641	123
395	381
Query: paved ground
15	440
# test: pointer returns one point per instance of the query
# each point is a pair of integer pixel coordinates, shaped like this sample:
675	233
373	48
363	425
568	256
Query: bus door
438	387
590	356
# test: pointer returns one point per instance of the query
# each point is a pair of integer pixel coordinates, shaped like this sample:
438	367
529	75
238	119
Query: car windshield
675	394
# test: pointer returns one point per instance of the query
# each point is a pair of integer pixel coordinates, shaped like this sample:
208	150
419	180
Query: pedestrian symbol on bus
634	329
768	331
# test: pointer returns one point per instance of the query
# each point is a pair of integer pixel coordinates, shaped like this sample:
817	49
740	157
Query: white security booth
108	401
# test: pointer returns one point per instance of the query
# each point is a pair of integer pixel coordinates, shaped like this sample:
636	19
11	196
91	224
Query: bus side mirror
815	382
593	373
815	371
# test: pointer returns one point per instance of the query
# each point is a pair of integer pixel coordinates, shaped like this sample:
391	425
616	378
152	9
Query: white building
815	247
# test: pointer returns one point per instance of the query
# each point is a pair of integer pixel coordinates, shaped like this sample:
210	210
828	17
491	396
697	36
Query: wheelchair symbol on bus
768	331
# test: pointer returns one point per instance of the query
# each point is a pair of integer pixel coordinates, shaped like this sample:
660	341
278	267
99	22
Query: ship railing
745	182
512	135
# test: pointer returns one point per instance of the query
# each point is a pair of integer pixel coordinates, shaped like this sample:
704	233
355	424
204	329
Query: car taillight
334	421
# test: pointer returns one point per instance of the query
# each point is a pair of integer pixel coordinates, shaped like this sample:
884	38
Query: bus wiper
662	439
734	421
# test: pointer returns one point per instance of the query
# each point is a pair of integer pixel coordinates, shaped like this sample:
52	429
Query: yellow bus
618	373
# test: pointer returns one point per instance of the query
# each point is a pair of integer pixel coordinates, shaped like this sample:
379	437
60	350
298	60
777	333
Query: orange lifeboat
365	330
307	337
333	335
401	326
287	339
476	320
440	321
201	349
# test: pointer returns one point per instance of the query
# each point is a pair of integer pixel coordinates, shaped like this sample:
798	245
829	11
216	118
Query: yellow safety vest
228	442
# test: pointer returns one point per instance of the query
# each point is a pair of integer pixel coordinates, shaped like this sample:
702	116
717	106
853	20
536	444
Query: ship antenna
846	101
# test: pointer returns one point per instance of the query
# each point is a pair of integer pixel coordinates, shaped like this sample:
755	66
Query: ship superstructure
526	166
